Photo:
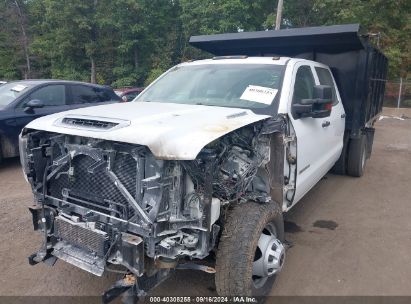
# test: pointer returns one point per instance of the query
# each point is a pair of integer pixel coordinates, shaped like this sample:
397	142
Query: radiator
97	188
82	235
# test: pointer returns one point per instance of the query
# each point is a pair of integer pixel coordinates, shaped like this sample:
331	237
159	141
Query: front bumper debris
84	245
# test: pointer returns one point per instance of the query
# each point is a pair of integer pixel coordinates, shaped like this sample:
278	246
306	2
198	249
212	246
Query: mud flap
369	133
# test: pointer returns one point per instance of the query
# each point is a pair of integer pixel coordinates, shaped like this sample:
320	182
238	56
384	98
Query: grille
89	123
74	233
96	191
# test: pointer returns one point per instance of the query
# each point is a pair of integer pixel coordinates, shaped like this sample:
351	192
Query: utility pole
279	15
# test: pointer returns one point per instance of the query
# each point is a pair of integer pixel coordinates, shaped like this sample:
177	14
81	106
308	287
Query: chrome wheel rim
269	256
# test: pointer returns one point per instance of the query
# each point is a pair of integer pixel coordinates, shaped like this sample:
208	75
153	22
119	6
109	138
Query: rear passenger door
337	117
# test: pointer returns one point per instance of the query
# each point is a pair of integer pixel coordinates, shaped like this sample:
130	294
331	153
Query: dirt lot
351	236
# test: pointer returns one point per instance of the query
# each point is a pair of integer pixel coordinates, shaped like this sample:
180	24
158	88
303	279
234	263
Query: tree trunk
24	40
93	70
93	78
135	58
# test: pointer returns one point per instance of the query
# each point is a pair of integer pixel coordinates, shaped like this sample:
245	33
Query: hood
170	131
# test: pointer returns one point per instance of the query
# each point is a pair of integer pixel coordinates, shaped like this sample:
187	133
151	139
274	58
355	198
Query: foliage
131	42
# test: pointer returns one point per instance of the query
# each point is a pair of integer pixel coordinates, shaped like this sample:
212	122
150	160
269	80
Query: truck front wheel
357	156
251	251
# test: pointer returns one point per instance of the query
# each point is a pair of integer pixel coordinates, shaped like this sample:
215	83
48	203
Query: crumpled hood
170	131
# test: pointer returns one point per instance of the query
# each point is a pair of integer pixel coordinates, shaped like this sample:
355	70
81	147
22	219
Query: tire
357	156
244	227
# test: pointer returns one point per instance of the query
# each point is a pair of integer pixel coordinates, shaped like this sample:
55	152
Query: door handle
326	124
11	122
343	115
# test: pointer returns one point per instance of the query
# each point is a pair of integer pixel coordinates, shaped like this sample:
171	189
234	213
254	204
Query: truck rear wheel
251	252
357	156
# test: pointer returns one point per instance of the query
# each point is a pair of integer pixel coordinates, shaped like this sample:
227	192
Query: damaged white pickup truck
203	162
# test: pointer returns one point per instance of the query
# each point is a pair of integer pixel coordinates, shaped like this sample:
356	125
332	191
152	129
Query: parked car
128	94
26	100
2	82
206	160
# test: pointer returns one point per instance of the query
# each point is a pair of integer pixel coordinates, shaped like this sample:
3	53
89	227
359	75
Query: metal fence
398	93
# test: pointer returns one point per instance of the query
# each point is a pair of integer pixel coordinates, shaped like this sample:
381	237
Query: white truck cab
205	160
320	140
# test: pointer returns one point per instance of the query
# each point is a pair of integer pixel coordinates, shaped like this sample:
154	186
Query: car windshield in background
10	91
225	85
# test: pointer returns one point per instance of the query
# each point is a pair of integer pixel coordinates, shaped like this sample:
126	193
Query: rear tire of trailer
250	231
357	156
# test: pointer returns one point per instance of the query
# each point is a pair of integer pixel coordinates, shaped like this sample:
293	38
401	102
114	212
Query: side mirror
318	107
33	104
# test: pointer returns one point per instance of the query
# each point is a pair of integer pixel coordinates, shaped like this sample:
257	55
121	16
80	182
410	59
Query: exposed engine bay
102	203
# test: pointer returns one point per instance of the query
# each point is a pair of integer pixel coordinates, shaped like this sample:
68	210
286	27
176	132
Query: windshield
10	91
226	85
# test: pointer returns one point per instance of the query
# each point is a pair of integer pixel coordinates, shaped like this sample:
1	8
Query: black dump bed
359	68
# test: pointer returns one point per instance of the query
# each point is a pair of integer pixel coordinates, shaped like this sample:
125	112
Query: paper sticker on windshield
259	94
18	88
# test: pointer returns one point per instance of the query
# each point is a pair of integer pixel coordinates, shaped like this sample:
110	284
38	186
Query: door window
325	78
84	94
51	95
304	84
87	94
131	96
107	95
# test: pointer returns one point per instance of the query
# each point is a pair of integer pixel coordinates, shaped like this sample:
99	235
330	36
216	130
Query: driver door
54	100
314	139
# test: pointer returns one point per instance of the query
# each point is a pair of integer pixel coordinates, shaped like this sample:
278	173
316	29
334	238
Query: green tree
147	38
389	18
15	61
200	17
130	42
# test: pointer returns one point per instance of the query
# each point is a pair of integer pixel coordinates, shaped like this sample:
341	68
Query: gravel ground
351	236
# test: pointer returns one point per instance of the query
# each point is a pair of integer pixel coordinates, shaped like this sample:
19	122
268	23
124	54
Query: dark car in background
25	100
128	94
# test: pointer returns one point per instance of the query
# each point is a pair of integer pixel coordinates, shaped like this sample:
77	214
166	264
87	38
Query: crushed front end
103	204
